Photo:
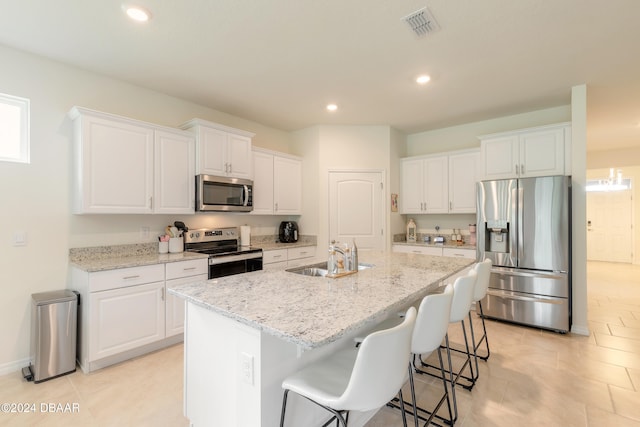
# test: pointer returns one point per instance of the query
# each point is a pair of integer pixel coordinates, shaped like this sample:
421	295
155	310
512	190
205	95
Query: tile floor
533	378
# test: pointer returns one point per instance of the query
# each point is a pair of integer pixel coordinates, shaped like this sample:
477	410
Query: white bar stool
460	306
358	379
483	270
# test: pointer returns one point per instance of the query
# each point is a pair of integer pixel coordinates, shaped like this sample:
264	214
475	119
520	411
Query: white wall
466	135
328	148
35	197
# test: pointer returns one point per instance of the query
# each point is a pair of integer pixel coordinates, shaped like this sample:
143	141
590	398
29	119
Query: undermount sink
320	270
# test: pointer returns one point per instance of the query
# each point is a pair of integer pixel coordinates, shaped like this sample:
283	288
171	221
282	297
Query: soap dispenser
354	256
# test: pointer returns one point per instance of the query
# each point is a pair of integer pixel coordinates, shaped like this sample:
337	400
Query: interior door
609	226
356	209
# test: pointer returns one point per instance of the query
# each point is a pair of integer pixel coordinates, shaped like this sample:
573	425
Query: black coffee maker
288	232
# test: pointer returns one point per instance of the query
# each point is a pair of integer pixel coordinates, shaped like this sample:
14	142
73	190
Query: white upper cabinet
539	151
277	183
221	150
174	182
128	166
463	175
424	184
443	183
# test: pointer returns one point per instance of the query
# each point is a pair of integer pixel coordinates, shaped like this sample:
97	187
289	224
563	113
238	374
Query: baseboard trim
17	365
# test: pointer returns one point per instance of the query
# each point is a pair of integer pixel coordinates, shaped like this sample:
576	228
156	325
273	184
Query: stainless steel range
226	256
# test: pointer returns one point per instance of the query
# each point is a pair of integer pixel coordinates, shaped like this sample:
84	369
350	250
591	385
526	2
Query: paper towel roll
245	235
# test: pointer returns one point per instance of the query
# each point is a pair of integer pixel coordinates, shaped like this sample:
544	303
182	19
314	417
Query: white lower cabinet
276	259
178	273
127	312
424	250
436	250
459	253
125	318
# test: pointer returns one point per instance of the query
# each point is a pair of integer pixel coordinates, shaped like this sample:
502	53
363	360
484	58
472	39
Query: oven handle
232	258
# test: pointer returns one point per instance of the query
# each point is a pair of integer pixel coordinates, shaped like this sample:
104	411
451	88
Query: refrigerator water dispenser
497	236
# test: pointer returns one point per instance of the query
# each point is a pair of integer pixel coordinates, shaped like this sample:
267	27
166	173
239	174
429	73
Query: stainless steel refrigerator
524	227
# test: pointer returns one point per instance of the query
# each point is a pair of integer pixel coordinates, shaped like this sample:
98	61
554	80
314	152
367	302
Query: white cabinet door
462	182
277	184
262	183
220	151
542	153
114	165
287	186
175	305
174	186
436	188
125	318
459	253
500	157
212	151
412	196
239	156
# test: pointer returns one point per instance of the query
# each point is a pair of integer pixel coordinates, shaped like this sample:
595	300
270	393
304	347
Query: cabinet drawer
277	255
301	252
176	270
423	250
124	277
459	253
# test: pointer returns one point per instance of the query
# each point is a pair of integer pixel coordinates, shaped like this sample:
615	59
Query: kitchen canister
163	247
411	231
176	245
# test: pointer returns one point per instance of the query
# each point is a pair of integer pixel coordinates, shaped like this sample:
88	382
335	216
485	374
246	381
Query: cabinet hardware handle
522	168
162	294
277	256
450	205
150	202
131	277
303	253
517	170
230	168
187	269
276	206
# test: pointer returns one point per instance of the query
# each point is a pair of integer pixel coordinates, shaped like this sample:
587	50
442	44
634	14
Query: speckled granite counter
268	243
314	311
102	258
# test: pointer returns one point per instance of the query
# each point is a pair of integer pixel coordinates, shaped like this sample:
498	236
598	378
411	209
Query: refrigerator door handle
554	301
545	274
520	223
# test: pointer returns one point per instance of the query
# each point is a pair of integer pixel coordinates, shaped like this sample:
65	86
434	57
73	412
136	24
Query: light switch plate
19	238
246	368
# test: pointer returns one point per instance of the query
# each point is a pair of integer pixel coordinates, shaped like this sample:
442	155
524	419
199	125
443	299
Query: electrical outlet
246	368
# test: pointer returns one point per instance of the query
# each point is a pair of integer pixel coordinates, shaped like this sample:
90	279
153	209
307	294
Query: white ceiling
279	62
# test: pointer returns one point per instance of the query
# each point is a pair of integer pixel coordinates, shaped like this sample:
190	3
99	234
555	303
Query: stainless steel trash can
54	322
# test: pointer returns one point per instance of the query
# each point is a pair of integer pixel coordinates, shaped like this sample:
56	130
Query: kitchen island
245	333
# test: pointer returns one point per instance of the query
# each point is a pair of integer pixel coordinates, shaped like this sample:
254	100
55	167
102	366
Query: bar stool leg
484	336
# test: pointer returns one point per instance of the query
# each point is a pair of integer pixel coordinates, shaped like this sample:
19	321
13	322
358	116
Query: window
14	129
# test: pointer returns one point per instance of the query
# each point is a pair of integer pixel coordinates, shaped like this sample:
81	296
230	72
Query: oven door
214	193
234	264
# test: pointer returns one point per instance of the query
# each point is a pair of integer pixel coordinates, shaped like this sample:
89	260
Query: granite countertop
102	258
269	243
314	311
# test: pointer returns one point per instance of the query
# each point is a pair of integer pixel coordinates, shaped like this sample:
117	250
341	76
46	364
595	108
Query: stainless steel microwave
220	193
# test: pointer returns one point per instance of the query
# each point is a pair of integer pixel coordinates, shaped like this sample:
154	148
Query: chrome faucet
347	261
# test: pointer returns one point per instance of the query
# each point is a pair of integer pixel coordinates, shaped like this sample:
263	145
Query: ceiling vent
421	22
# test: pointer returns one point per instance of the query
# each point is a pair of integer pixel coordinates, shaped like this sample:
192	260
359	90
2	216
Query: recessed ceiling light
332	107
137	13
423	79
